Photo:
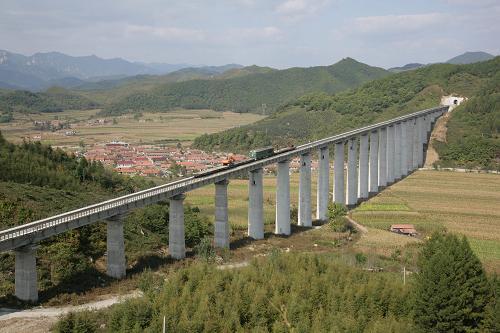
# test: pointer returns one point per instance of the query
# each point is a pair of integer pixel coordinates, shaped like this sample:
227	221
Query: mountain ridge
255	92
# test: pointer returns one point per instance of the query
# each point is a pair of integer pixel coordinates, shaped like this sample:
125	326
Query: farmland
174	126
465	203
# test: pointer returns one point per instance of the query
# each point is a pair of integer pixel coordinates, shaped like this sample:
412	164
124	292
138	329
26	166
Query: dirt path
39	320
358	226
438	134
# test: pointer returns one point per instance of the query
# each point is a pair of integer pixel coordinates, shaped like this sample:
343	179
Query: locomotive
256	154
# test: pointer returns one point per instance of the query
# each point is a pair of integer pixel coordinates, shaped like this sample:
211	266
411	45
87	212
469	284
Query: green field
178	125
464	203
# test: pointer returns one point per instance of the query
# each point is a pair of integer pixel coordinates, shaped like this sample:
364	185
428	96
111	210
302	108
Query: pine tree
451	291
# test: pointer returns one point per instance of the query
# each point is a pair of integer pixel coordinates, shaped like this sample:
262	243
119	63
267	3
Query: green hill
111	91
260	92
470	57
53	100
473	138
318	115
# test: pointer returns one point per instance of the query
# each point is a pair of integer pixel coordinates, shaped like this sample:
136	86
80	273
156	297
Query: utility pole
164	328
404	275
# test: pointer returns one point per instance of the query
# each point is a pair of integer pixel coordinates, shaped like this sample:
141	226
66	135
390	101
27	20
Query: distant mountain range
42	70
463	59
470	57
249	89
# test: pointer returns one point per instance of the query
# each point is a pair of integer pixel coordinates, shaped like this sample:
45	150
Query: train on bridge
256	154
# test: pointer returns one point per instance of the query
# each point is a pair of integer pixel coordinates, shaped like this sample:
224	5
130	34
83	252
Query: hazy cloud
277	33
297	9
397	23
166	33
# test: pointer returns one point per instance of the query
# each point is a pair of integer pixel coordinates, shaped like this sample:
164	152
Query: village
163	160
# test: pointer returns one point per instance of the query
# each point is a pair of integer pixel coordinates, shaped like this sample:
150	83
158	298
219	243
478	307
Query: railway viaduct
377	155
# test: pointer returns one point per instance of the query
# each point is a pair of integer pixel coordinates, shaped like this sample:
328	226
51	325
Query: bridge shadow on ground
295	229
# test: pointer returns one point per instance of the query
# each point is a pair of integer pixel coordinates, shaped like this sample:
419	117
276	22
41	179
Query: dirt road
40	320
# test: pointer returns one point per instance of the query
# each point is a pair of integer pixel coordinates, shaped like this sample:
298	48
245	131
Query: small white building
452	101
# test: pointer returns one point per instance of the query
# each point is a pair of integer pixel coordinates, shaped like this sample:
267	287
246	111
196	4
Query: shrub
77	322
205	249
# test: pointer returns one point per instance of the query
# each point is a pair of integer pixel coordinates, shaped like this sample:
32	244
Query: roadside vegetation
314	293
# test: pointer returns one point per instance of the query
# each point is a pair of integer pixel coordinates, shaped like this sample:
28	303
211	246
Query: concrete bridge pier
305	215
373	163
282	226
26	284
176	235
322	197
397	151
255	204
404	149
338	170
421	140
115	242
221	216
382	157
415	144
409	138
352	172
390	154
363	167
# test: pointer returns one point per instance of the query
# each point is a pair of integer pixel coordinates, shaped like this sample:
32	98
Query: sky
276	33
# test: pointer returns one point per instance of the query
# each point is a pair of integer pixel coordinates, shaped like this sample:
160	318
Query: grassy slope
465	203
249	92
320	115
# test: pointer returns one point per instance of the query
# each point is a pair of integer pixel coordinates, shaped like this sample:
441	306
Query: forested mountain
110	91
406	67
318	115
260	93
473	135
470	57
53	100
